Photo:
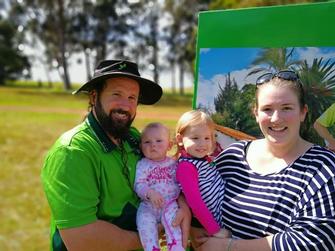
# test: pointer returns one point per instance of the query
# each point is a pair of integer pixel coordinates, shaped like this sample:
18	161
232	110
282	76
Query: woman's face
279	114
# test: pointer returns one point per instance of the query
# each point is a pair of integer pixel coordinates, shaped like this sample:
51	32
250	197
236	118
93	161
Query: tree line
157	34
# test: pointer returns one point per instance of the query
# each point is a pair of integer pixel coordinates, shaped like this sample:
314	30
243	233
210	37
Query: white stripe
331	205
254	212
262	187
255	198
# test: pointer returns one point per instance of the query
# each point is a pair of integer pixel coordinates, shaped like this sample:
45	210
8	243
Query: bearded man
89	172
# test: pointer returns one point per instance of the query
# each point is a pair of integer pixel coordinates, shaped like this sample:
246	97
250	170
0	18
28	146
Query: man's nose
125	104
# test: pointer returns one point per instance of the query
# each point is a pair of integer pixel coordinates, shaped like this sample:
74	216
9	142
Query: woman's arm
325	134
219	244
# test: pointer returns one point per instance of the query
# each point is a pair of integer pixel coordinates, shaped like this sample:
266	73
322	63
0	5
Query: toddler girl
196	172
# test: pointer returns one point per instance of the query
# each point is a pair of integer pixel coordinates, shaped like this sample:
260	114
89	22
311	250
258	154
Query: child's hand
155	198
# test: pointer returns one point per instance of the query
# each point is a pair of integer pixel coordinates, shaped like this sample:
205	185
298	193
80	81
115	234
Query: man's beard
114	127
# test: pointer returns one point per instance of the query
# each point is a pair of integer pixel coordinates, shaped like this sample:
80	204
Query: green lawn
31	120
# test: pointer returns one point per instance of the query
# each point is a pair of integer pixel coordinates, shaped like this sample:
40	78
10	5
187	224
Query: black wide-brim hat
150	92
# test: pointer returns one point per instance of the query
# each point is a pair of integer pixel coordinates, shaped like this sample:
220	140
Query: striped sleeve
313	228
313	224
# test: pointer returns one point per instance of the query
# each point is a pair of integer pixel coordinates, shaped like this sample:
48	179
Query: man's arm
99	236
325	134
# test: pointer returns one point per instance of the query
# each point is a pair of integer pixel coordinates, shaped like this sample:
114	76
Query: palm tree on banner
318	80
274	59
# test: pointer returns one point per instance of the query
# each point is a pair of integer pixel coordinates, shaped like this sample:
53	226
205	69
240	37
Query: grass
31	120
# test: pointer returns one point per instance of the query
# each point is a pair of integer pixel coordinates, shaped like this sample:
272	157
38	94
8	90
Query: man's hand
183	219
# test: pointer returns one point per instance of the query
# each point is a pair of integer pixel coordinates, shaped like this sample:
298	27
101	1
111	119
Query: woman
280	190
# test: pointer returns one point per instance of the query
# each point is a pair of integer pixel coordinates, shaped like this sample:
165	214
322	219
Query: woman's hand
222	244
198	237
202	241
214	244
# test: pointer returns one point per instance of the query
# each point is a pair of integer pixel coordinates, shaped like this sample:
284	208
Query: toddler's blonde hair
194	118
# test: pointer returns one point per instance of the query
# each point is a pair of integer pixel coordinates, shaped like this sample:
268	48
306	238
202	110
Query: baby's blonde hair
194	118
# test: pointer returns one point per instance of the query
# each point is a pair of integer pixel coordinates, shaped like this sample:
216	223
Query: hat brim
150	92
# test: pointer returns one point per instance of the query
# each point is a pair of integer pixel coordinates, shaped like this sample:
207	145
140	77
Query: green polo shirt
327	119
83	179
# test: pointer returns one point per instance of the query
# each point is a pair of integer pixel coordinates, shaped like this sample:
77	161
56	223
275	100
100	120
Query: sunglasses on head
285	74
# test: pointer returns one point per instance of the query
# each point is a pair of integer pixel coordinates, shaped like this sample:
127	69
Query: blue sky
226	60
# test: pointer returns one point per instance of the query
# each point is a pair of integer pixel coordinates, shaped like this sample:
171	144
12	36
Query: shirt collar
105	141
102	137
186	155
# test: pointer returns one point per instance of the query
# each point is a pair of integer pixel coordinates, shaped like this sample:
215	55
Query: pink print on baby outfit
160	176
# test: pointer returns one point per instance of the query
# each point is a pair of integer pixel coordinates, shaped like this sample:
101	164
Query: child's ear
179	139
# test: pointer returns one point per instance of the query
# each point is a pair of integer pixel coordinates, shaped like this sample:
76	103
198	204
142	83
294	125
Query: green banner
231	42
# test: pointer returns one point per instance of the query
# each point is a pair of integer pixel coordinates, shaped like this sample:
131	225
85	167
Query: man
322	125
89	172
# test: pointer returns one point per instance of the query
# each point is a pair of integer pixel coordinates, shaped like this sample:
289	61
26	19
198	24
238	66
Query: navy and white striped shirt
210	184
296	205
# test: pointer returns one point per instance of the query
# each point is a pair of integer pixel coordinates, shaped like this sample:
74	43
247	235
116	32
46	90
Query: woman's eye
266	110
